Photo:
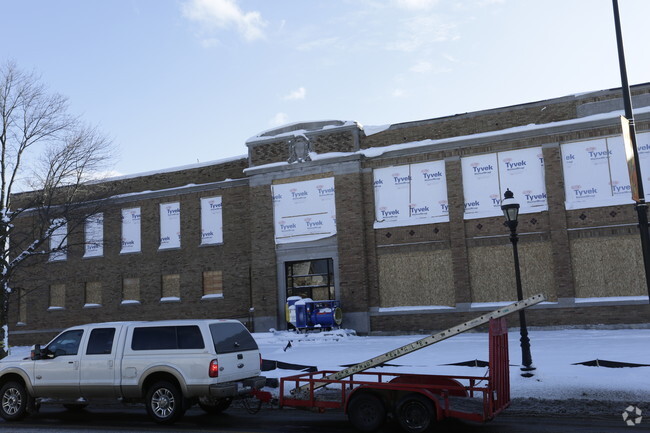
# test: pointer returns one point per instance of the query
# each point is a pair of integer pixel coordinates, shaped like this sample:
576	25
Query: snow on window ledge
55	308
170	299
212	296
612	299
130	302
210	244
21	324
92	305
414	308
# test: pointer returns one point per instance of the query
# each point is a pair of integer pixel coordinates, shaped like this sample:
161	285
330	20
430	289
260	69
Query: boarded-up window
131	289
212	283
57	296
93	293
421	277
171	287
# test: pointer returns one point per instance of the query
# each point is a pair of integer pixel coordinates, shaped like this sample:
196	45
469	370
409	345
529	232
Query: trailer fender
438	384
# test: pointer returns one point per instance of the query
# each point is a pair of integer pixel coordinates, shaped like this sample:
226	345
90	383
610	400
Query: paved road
54	419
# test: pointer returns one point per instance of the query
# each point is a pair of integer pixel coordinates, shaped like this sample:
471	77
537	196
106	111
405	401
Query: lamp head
510	207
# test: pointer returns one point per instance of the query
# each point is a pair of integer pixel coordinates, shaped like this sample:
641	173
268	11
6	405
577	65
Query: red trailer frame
449	396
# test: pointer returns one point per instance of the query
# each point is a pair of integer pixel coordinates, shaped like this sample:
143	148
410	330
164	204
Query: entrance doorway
311	279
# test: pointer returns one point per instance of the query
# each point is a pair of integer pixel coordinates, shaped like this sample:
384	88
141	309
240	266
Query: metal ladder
426	341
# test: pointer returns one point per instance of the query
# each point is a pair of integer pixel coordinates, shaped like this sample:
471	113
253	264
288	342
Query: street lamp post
511	211
641	205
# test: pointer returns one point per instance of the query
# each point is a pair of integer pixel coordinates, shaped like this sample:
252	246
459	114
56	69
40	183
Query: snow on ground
553	353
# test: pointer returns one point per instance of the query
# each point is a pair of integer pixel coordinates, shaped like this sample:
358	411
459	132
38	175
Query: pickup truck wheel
14	399
415	413
214	406
366	412
164	403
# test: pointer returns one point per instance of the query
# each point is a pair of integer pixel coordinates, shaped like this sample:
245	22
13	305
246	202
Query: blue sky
174	82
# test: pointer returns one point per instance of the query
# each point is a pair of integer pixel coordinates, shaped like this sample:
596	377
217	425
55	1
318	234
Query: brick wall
268	153
469	261
491	120
555	257
337	142
351	242
190	261
263	262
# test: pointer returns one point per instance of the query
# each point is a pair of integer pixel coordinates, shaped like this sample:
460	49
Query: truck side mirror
36	352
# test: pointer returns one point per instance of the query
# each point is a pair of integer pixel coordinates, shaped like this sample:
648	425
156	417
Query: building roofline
498	110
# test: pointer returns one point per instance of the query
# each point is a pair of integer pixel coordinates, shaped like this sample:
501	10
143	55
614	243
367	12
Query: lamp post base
527	371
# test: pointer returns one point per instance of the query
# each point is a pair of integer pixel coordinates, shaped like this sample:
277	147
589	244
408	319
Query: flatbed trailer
416	401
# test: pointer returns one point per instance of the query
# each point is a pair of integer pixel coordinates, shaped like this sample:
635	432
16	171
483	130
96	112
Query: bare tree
52	156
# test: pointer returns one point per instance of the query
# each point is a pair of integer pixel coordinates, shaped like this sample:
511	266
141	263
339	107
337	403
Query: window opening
311	279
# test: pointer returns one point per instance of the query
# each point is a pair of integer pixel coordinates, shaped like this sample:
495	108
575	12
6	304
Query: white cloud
490	2
416	4
317	43
450	58
398	93
299	93
421	67
426	67
210	42
420	31
225	14
279	119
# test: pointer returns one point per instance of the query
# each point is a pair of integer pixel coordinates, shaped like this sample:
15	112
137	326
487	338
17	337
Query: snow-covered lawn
554	352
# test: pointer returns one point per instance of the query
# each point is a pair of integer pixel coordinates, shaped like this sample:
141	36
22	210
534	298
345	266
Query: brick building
400	273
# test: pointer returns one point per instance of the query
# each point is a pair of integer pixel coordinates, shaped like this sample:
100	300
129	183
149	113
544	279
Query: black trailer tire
214	406
415	413
164	403
14	400
366	412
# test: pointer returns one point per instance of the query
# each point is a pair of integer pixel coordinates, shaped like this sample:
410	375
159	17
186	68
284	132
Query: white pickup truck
168	365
